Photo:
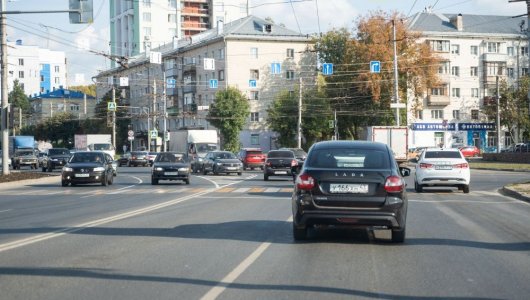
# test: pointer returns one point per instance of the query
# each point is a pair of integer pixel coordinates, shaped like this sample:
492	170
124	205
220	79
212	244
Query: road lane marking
256	190
237	271
5	210
271	190
442	201
226	190
208	179
241	190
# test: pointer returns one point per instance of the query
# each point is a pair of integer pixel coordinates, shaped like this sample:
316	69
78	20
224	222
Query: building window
254	117
289	74
474	92
57	80
172	18
221	53
254	74
524	51
419	114
20	74
493	47
147	3
438	91
474	71
524	71
42	78
455	71
290	53
510	72
474	50
455	92
437	114
74	107
443	68
439	45
455	49
254	95
172	3
57	68
42	90
474	114
146	16
510	51
147	31
494	69
254	139
456	114
20	61
221	75
492	138
253	52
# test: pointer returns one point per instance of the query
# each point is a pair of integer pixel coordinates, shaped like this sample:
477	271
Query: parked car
171	166
138	158
442	167
55	158
124	159
24	157
350	183
221	162
151	157
280	163
86	167
300	156
470	151
252	158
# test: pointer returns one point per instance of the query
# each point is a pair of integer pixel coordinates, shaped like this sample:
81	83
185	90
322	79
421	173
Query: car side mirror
404	171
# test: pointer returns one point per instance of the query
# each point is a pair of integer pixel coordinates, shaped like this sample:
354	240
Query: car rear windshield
58	152
139	153
443	154
273	154
349	158
254	152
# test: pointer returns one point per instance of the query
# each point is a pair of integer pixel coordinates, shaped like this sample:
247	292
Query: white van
104	147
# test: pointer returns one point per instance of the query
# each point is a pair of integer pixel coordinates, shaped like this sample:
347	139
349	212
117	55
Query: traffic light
84	11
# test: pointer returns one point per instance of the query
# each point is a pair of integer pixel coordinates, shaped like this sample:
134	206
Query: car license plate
82	175
171	173
280	172
443	167
231	168
348	188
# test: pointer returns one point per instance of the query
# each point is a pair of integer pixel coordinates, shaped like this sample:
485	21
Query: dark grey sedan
221	162
170	166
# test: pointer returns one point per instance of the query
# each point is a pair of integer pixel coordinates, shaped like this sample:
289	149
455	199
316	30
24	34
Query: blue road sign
170	83
375	66
213	83
276	68
327	69
252	83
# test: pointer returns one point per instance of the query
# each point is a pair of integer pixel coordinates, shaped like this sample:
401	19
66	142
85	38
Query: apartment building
37	70
44	106
137	25
257	57
475	50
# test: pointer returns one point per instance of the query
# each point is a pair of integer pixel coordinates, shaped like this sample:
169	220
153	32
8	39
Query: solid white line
205	178
272	190
467	201
241	190
6	210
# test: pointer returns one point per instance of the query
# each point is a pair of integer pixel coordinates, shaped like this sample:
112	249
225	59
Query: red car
470	151
252	158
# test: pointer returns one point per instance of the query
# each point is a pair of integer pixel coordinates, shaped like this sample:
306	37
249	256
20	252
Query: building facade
474	50
37	70
137	25
44	106
257	57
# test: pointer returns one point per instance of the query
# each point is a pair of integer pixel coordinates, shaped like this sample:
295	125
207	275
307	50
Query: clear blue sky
53	31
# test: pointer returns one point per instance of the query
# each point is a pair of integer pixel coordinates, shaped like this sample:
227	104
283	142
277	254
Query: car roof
442	149
350	144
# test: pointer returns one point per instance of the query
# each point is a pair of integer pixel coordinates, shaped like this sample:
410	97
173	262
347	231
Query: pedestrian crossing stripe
256	190
226	190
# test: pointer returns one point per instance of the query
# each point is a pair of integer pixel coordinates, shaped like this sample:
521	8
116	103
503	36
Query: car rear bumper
443	181
349	218
279	171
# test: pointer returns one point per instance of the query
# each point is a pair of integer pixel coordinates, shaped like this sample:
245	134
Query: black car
170	166
124	159
221	162
280	163
350	183
55	158
88	167
300	156
138	158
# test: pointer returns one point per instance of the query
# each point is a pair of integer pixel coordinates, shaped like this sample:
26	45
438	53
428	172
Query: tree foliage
90	90
229	114
18	98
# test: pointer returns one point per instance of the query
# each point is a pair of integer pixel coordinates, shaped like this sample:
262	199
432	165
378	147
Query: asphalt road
229	237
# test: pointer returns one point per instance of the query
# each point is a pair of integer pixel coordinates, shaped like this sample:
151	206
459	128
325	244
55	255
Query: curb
48	179
506	191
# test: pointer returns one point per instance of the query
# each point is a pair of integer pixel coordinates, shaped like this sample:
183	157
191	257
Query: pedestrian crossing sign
111	106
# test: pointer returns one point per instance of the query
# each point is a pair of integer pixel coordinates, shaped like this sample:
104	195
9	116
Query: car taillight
133	157
426	166
305	182
394	184
294	163
461	166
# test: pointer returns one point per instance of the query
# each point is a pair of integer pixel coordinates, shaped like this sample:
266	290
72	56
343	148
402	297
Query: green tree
229	114
90	90
18	98
60	129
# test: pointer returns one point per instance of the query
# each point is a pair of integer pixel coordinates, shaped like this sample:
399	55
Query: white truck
396	137
94	142
195	142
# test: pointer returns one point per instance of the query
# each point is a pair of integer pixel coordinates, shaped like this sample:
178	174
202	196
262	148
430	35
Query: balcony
190	25
195	11
173	111
494	57
492	80
189	89
436	100
190	66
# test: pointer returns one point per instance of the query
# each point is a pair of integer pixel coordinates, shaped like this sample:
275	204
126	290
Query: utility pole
164	100
336	128
498	117
396	86
154	111
299	127
114	116
3	75
528	35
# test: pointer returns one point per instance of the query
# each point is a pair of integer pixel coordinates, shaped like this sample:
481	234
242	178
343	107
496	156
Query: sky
53	30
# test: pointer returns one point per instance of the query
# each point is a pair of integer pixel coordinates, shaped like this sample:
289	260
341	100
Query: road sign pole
114	117
396	87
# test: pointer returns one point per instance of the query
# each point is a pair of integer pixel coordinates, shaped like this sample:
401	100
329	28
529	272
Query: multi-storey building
44	106
136	25
257	57
37	70
474	50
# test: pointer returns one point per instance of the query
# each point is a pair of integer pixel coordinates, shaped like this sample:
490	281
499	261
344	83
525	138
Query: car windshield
274	154
205	147
101	147
224	155
86	158
25	153
443	154
171	157
58	152
349	158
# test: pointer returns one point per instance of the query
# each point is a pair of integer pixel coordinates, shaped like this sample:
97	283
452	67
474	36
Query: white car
442	167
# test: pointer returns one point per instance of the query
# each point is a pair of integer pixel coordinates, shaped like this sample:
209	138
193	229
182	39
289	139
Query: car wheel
105	181
239	173
417	187
466	189
215	171
154	181
128	163
204	172
43	169
299	234
187	181
265	177
111	179
398	236
64	183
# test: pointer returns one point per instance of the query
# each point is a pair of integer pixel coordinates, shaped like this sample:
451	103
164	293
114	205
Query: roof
62	93
481	24
350	144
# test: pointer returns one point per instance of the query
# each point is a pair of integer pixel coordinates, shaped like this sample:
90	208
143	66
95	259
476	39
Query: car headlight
159	169
218	164
67	169
184	170
99	169
54	159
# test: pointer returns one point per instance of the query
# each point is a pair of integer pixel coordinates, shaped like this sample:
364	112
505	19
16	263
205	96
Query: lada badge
348	174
